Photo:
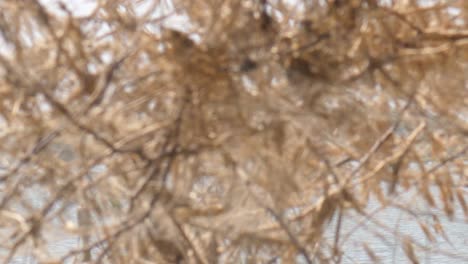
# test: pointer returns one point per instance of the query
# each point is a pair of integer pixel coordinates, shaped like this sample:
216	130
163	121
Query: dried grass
192	142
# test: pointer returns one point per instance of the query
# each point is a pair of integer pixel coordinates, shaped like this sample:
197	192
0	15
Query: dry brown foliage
210	131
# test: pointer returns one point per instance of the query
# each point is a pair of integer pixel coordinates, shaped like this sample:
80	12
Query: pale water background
380	236
380	239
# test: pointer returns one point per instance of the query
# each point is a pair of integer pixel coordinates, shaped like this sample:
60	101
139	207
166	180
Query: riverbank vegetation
237	131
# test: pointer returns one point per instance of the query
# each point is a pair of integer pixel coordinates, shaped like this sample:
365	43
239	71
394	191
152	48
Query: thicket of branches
209	131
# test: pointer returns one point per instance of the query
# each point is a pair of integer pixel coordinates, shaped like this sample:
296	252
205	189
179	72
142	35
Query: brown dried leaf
437	144
374	258
426	231
409	250
461	200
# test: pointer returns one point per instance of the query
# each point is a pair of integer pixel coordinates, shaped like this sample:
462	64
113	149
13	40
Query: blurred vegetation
210	131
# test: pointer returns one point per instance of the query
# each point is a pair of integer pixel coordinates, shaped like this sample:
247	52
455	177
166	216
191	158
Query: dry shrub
225	131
